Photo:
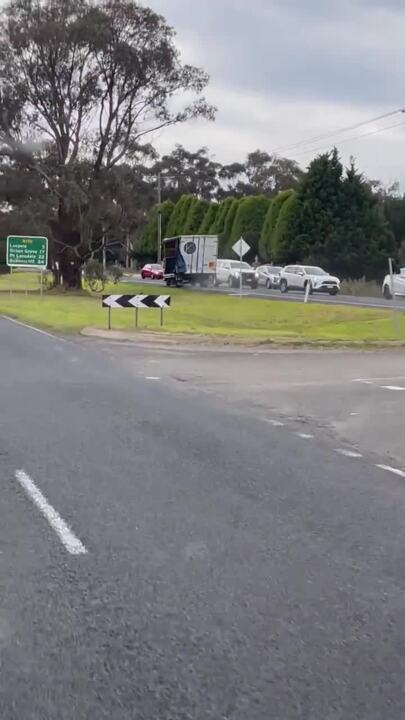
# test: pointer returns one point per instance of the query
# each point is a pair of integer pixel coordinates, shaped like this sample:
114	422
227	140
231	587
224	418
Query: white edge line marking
305	436
392	387
348	453
31	327
72	544
380	379
152	378
393	470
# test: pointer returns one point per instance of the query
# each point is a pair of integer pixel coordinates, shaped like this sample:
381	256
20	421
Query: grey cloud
283	71
298	48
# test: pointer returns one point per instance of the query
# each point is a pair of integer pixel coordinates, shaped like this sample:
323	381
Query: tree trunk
67	241
71	271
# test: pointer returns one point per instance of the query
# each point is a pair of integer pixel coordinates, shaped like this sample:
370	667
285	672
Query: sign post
146	302
27	251
240	248
395	317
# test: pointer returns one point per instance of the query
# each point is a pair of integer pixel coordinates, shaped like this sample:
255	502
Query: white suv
297	277
399	284
230	271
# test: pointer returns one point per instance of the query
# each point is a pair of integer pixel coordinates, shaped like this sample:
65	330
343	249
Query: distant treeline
332	218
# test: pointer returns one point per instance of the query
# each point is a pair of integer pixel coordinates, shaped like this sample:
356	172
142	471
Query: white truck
398	282
190	259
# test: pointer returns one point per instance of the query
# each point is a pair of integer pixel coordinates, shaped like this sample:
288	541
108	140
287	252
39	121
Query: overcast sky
283	71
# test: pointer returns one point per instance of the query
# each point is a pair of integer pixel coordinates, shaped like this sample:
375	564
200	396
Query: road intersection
243	539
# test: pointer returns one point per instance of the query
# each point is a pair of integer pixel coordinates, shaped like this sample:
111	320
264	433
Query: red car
152	271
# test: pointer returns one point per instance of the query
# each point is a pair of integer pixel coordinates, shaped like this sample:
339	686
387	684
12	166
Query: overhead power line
350	139
339	131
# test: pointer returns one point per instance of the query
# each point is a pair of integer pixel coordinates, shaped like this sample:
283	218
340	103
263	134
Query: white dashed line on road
275	423
152	378
348	453
393	470
364	382
72	543
398	388
305	436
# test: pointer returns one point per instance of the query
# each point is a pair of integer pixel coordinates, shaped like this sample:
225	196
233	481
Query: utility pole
159	215
159	218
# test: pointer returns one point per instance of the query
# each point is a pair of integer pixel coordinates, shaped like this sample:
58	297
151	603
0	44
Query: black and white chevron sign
136	301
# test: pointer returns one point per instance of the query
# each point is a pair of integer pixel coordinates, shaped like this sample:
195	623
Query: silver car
269	275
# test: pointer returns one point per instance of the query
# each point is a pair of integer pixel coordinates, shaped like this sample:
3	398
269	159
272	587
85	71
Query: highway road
175	549
264	294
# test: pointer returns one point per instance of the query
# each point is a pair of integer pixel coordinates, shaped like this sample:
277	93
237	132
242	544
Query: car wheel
387	292
283	286
334	291
268	284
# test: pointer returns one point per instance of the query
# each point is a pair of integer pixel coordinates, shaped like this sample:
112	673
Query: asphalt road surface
263	293
170	550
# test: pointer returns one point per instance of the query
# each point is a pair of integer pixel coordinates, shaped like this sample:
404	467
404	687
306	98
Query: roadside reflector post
109	318
391	272
161	317
240	266
395	316
136	317
307	290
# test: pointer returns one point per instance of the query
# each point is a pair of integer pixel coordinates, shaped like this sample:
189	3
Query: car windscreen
315	271
236	265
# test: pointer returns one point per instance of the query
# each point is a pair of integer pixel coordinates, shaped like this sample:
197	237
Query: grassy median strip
211	315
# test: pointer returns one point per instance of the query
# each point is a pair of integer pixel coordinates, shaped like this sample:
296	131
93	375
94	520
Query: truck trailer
190	259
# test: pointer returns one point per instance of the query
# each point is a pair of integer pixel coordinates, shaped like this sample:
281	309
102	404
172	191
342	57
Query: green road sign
27	251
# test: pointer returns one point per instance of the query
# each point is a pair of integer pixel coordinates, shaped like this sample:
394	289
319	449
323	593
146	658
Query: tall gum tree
82	87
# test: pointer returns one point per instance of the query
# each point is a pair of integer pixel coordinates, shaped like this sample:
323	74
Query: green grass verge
213	315
20	281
